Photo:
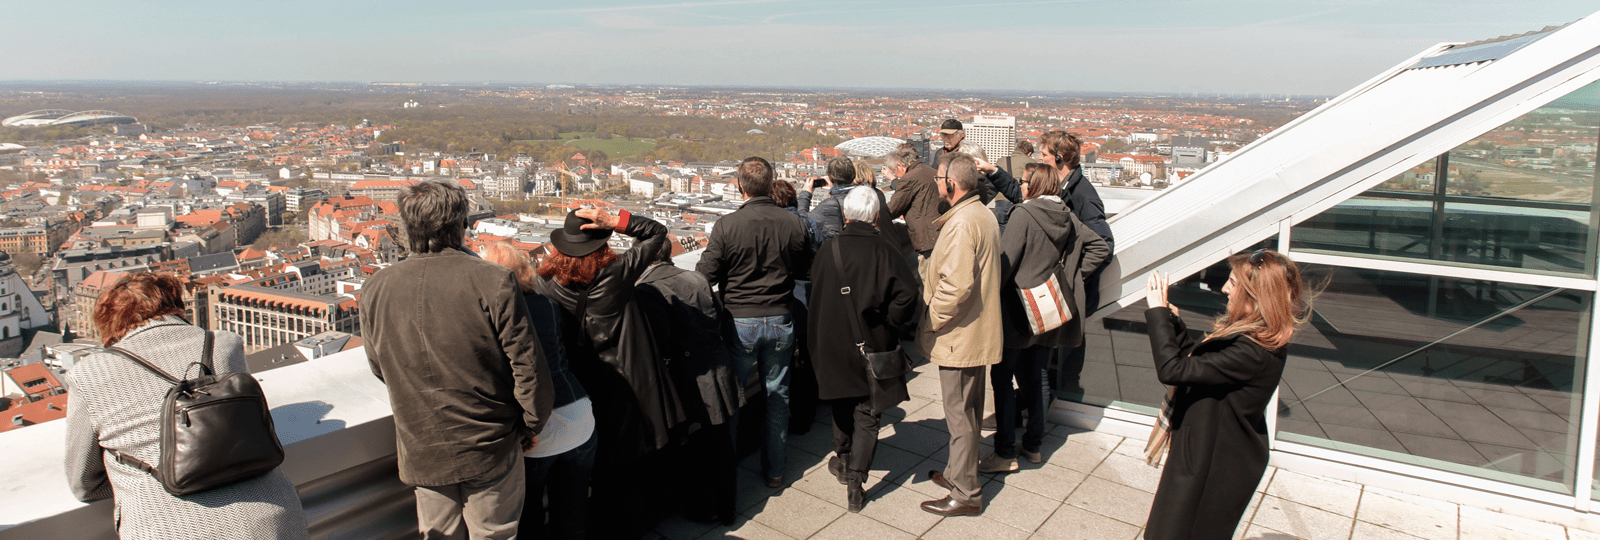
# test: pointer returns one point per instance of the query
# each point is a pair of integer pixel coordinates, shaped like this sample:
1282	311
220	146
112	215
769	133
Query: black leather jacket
612	354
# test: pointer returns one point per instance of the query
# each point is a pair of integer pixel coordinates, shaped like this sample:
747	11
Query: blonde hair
503	254
1269	300
863	173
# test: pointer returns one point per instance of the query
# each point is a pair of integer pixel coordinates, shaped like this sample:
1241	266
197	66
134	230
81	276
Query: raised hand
601	219
1155	292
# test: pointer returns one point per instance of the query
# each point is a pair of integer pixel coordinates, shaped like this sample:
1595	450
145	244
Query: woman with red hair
611	350
1214	417
115	409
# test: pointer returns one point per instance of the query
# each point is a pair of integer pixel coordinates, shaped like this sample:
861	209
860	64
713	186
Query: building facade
267	318
996	134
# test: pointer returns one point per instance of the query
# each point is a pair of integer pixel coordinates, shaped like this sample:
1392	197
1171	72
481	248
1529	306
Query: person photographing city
1214	415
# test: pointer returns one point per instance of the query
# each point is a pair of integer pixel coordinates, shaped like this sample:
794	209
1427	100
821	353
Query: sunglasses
1258	257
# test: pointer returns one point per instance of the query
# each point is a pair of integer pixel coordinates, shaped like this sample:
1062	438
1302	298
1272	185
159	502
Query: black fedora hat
574	241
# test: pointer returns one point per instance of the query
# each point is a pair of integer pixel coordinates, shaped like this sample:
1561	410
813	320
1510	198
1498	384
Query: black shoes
856	495
948	507
836	466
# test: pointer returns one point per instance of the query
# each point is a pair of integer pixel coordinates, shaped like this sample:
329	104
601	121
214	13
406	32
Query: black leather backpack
216	430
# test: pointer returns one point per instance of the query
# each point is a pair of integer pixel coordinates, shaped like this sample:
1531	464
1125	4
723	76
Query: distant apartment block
997	135
267	318
24	240
298	199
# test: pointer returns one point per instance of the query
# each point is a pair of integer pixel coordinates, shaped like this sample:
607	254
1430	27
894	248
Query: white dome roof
870	146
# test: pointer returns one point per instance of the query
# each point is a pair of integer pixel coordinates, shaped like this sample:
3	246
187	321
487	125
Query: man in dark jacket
916	198
449	333
753	257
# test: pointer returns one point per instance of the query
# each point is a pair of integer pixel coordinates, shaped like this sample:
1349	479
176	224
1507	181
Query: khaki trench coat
961	287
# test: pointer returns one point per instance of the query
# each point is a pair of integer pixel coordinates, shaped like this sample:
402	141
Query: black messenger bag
216	430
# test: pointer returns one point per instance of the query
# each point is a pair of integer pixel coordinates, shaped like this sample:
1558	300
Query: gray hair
962	171
901	156
861	204
434	214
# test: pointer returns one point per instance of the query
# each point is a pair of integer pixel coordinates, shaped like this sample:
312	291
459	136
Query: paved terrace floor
1090	486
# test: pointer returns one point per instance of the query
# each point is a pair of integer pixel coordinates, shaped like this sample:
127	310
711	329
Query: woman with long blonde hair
1215	414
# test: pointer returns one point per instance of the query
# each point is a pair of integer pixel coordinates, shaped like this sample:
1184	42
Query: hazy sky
1271	46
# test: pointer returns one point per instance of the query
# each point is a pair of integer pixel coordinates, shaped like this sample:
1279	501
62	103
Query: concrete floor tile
818	441
680	528
970	527
1301	520
1249	513
1416	516
916	438
1016	507
897	504
1368	531
1335	496
1131	448
1266	478
930	415
1112	500
750	490
891	462
797	513
1257	532
1480	523
1092	438
1049	481
1075	455
747	530
821	484
1071	523
1579	534
854	526
1129	471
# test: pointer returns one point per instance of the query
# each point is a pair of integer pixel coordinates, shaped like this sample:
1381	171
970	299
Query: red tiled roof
38	412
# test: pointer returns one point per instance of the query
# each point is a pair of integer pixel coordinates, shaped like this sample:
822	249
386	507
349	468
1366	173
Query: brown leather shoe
948	507
775	482
938	479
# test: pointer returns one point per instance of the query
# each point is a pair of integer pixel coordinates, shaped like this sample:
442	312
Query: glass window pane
1369	225
1544	239
1474	377
1420	179
1518	197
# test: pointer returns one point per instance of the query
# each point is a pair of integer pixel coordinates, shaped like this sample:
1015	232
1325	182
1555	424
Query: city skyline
1169	46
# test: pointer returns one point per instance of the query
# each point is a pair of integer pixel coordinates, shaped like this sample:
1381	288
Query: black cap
950	126
574	241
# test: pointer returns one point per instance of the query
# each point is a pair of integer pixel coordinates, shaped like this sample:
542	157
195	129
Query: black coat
684	321
885	299
635	403
1219	428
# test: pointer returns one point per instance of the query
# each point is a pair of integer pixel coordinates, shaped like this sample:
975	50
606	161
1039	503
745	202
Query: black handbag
216	430
889	364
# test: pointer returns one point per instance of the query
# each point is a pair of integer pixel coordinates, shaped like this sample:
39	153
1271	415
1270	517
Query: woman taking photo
881	309
116	407
1042	239
1215	412
561	464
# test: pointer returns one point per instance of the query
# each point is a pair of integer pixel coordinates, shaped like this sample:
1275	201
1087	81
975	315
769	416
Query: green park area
615	147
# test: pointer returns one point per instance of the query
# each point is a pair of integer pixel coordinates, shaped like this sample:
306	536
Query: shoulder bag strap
119	351
205	358
855	315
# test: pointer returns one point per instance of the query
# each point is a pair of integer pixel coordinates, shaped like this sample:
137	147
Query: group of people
546	401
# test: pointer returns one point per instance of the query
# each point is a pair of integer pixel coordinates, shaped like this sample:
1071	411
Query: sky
1296	47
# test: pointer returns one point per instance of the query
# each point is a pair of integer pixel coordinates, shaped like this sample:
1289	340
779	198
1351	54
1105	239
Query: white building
996	134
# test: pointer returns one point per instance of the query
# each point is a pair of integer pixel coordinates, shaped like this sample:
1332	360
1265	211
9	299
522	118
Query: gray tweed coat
116	404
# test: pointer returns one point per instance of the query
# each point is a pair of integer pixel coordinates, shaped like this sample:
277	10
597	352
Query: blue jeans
1028	367
565	477
766	346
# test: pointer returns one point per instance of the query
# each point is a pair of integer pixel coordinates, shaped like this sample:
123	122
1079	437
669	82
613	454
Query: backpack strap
119	351
205	358
131	461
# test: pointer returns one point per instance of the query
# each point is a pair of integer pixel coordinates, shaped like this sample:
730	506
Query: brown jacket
450	335
917	199
961	288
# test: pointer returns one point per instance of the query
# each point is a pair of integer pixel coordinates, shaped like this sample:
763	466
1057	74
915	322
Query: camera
819	182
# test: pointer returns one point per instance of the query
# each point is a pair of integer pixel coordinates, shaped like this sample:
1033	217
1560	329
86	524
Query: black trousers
855	435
